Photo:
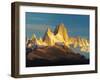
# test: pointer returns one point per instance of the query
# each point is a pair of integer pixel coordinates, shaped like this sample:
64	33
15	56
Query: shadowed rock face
53	56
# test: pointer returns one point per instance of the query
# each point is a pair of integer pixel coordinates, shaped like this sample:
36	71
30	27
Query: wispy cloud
36	27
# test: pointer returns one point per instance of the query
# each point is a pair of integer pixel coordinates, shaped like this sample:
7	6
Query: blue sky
37	23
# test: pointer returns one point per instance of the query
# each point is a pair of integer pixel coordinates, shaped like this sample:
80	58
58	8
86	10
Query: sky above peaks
37	23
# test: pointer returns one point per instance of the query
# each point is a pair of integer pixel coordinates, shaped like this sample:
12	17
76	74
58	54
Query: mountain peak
33	37
49	30
61	25
61	30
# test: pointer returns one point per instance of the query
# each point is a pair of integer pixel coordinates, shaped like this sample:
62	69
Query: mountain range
55	49
60	36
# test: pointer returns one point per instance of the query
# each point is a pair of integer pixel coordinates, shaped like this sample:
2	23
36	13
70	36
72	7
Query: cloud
37	27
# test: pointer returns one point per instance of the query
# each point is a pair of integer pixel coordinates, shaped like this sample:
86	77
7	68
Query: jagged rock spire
60	29
33	37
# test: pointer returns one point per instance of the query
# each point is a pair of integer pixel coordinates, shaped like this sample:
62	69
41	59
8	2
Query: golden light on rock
60	36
